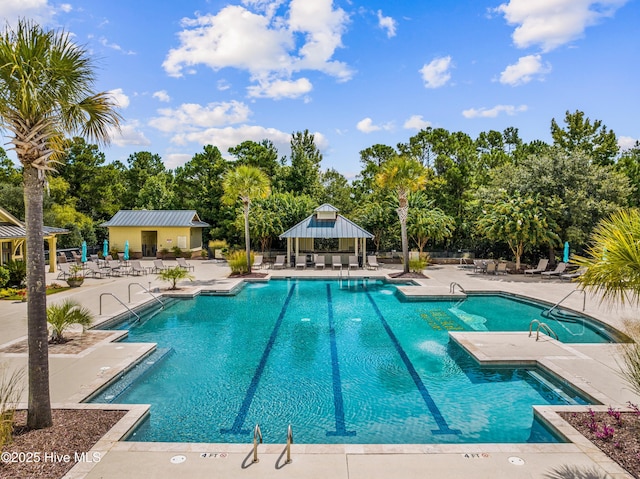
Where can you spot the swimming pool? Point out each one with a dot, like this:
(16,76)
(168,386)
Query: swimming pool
(342,365)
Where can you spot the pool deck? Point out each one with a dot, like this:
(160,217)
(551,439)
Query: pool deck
(590,367)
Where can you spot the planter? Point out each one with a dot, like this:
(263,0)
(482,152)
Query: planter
(75,282)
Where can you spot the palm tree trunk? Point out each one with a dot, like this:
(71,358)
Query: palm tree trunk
(403,212)
(247,236)
(39,413)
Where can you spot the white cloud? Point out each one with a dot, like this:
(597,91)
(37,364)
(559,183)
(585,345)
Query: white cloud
(493,112)
(264,44)
(280,89)
(436,73)
(626,142)
(162,95)
(37,10)
(114,46)
(173,160)
(194,117)
(66,7)
(129,134)
(223,85)
(524,71)
(119,98)
(552,23)
(388,24)
(415,122)
(366,126)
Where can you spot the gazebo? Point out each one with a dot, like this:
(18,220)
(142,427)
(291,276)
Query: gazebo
(325,223)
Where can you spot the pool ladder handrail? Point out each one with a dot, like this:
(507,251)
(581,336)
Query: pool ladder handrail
(289,442)
(542,326)
(452,287)
(118,300)
(584,300)
(152,295)
(257,435)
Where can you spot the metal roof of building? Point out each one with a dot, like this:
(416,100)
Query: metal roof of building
(150,218)
(326,207)
(312,227)
(8,231)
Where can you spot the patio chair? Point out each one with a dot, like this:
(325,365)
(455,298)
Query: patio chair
(491,267)
(479,266)
(93,257)
(560,269)
(64,270)
(353,262)
(76,257)
(92,269)
(257,262)
(113,266)
(279,262)
(372,262)
(158,266)
(542,266)
(576,274)
(501,268)
(62,258)
(137,269)
(336,262)
(301,261)
(318,261)
(182,263)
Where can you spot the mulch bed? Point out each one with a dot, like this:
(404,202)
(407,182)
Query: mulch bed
(248,275)
(409,275)
(623,445)
(43,453)
(76,343)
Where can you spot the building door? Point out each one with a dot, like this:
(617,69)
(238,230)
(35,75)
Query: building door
(149,243)
(6,252)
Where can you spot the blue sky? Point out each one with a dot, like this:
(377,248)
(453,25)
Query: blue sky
(191,73)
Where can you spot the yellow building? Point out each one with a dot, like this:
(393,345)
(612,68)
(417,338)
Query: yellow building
(150,231)
(13,237)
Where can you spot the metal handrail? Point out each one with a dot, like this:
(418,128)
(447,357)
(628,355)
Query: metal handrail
(533,321)
(118,300)
(452,287)
(154,297)
(584,300)
(289,442)
(257,434)
(545,326)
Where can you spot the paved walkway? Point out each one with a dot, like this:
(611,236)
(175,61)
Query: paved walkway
(593,368)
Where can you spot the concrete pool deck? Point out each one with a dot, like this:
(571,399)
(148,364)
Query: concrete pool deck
(591,367)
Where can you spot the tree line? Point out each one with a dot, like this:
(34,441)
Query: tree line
(476,190)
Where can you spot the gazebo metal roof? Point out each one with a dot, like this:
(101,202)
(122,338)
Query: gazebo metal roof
(312,227)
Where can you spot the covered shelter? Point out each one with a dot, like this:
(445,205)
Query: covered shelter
(13,238)
(326,224)
(151,231)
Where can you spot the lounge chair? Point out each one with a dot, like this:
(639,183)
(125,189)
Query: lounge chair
(65,270)
(114,267)
(301,261)
(318,261)
(542,266)
(137,268)
(336,262)
(93,257)
(353,262)
(576,274)
(491,267)
(182,263)
(560,269)
(501,268)
(158,266)
(76,257)
(479,266)
(372,262)
(62,258)
(257,262)
(279,262)
(92,269)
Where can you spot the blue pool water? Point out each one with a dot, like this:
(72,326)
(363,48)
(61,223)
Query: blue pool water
(353,365)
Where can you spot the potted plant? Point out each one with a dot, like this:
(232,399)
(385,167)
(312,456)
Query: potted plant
(76,279)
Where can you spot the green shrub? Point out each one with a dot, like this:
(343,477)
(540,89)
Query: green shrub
(11,387)
(173,275)
(187,254)
(177,251)
(218,244)
(416,265)
(61,316)
(17,273)
(4,277)
(238,261)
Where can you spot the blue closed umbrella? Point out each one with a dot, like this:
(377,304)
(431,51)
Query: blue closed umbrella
(84,252)
(566,252)
(105,248)
(126,250)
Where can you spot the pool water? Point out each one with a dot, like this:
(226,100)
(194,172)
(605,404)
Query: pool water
(340,365)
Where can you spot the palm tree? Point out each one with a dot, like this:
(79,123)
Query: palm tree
(61,316)
(45,92)
(403,175)
(245,183)
(173,275)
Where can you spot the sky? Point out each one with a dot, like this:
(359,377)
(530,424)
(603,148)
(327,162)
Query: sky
(195,72)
